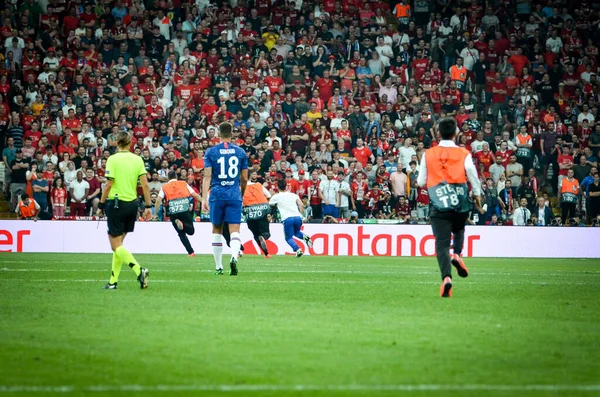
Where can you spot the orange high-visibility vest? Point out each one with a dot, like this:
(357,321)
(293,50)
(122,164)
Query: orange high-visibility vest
(402,11)
(256,204)
(175,189)
(523,139)
(458,74)
(569,190)
(570,186)
(27,211)
(177,196)
(254,195)
(447,178)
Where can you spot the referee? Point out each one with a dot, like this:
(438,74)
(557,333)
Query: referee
(123,169)
(444,170)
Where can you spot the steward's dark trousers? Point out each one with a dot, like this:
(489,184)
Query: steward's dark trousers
(187,220)
(444,225)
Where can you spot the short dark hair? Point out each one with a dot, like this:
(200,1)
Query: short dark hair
(24,196)
(225,130)
(447,128)
(172,175)
(282,185)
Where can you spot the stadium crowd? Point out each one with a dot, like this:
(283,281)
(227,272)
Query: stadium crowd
(338,97)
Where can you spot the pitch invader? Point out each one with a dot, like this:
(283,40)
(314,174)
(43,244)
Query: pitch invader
(290,208)
(226,177)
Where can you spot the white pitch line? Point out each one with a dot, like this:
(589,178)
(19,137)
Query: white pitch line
(332,271)
(294,388)
(254,281)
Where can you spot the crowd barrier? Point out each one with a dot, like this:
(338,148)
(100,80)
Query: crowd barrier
(338,240)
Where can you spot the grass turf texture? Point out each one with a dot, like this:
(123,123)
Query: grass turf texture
(345,322)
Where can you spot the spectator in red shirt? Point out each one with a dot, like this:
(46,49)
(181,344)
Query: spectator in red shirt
(485,157)
(361,153)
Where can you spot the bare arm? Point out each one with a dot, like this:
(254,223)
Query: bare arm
(146,190)
(157,205)
(244,180)
(206,187)
(300,205)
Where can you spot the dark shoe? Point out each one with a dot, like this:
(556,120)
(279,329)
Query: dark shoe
(143,278)
(233,267)
(459,264)
(446,288)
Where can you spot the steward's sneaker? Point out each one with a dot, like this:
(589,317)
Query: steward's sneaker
(143,278)
(192,255)
(446,288)
(299,253)
(219,272)
(268,256)
(179,224)
(110,286)
(459,264)
(308,241)
(233,267)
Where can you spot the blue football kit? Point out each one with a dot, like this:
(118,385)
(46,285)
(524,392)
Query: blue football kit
(227,162)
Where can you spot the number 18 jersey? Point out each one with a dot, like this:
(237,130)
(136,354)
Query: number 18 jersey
(227,162)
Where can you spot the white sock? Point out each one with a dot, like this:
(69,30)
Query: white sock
(235,244)
(217,249)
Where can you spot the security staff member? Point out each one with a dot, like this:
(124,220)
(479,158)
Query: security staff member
(256,209)
(177,195)
(444,170)
(568,195)
(27,208)
(123,169)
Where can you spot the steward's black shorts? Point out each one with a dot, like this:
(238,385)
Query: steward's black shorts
(260,227)
(122,219)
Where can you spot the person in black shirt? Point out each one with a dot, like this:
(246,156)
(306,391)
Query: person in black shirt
(594,197)
(248,147)
(19,167)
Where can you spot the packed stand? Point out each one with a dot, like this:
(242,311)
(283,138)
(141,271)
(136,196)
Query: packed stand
(340,98)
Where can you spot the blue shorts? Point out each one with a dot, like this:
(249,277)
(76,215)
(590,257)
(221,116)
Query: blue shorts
(291,227)
(330,210)
(229,211)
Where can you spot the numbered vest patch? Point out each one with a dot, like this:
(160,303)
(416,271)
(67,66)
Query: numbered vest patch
(256,211)
(568,198)
(446,197)
(524,152)
(179,205)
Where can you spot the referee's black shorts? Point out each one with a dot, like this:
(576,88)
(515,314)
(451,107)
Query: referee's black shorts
(260,227)
(122,219)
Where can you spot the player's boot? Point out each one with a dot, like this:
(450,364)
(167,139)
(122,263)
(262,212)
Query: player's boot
(233,267)
(308,241)
(299,253)
(459,264)
(143,278)
(192,255)
(240,254)
(110,286)
(179,224)
(446,288)
(268,256)
(219,272)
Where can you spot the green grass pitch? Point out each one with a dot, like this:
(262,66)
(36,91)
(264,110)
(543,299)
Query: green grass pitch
(314,326)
